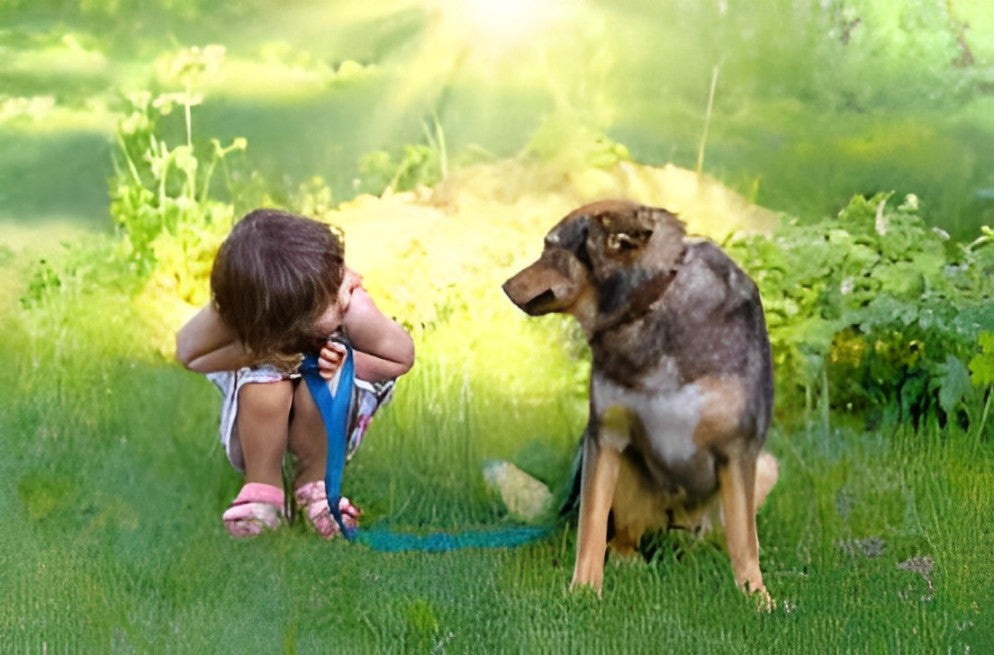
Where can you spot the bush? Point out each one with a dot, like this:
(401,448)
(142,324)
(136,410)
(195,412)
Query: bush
(872,312)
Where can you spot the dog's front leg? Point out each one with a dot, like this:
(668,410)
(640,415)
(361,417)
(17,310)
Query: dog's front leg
(737,479)
(599,477)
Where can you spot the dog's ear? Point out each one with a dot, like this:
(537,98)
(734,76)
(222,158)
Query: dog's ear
(622,235)
(621,242)
(571,235)
(635,252)
(666,245)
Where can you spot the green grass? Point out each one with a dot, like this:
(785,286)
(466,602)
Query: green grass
(115,483)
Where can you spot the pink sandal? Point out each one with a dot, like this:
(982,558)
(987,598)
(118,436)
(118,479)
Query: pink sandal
(313,504)
(258,507)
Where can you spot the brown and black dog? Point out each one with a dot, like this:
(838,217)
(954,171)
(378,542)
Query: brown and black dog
(681,388)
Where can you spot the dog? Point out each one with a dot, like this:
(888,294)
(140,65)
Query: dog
(681,386)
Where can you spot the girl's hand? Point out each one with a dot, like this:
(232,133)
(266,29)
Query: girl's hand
(330,359)
(334,314)
(382,348)
(351,280)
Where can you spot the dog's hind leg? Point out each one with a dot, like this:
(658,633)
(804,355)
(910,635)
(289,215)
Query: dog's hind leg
(635,507)
(737,482)
(767,473)
(601,463)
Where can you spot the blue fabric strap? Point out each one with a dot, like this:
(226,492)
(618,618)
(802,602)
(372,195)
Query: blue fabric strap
(334,409)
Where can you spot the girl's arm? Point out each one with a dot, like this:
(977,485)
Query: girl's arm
(383,349)
(205,344)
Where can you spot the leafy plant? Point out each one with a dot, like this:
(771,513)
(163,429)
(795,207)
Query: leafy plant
(160,189)
(44,281)
(982,373)
(570,144)
(872,311)
(169,224)
(420,164)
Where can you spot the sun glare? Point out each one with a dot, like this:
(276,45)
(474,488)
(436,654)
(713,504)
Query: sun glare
(496,25)
(486,43)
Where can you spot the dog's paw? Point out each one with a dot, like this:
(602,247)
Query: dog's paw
(582,584)
(761,599)
(584,591)
(625,557)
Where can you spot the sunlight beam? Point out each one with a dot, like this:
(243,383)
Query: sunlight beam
(497,25)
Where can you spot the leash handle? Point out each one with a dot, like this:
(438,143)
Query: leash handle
(334,410)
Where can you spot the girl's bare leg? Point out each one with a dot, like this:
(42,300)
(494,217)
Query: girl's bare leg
(309,446)
(263,419)
(308,440)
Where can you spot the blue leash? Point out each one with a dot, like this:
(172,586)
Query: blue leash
(334,410)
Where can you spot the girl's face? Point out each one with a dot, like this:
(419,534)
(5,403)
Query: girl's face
(332,317)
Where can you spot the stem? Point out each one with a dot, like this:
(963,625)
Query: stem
(983,415)
(227,178)
(188,115)
(159,148)
(436,141)
(206,183)
(443,155)
(191,180)
(824,399)
(707,120)
(127,157)
(392,186)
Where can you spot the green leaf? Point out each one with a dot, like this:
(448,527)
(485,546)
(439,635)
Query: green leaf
(954,383)
(982,364)
(901,280)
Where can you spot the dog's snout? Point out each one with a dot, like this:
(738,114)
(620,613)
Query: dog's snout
(543,303)
(521,290)
(539,289)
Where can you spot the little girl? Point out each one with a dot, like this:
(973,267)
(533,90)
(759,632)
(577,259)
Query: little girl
(280,288)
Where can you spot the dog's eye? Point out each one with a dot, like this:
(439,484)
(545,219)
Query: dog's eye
(621,241)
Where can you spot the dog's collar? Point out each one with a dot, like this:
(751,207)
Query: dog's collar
(644,297)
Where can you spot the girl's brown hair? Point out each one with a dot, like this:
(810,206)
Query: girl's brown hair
(273,276)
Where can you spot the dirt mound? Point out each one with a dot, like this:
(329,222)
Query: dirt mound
(422,251)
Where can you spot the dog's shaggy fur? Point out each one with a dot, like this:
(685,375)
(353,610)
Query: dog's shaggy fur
(681,389)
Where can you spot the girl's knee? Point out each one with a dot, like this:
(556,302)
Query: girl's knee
(304,405)
(266,398)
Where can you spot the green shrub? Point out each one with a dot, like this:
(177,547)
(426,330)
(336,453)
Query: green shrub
(872,312)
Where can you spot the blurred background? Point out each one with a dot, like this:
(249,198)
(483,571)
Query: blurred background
(796,104)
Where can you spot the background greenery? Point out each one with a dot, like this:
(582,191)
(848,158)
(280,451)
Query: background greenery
(445,139)
(814,101)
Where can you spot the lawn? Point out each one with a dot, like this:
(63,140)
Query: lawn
(871,542)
